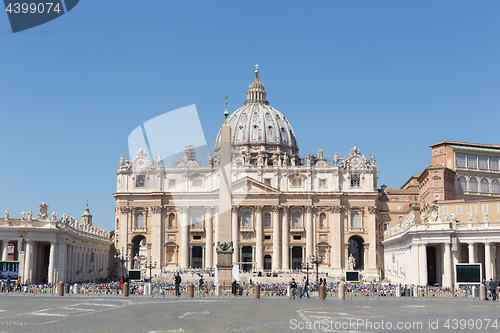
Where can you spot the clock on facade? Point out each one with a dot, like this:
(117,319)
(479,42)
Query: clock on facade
(355,162)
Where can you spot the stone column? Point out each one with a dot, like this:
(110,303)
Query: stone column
(5,250)
(447,280)
(209,234)
(52,258)
(216,233)
(336,237)
(259,238)
(413,264)
(487,262)
(61,263)
(422,263)
(276,238)
(235,234)
(472,258)
(369,222)
(157,237)
(185,237)
(28,261)
(286,233)
(309,232)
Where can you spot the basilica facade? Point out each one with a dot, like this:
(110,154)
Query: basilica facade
(285,208)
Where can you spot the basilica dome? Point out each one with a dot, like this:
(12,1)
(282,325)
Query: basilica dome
(258,126)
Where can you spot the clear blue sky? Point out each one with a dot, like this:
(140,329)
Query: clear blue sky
(391,77)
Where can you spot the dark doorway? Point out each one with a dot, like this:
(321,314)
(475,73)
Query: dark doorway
(356,249)
(246,256)
(431,266)
(197,257)
(267,263)
(296,258)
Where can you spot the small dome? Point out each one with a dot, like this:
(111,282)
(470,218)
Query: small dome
(257,122)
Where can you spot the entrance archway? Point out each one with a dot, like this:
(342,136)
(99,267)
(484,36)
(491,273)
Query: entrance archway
(356,249)
(139,251)
(197,257)
(267,263)
(246,256)
(297,258)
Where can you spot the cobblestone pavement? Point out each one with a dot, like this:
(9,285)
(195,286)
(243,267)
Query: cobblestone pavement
(47,313)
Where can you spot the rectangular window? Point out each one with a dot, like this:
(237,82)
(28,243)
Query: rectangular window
(267,221)
(459,210)
(355,181)
(140,180)
(385,226)
(267,237)
(473,209)
(483,162)
(196,237)
(485,209)
(460,160)
(297,182)
(171,183)
(401,217)
(400,207)
(297,237)
(267,181)
(436,196)
(198,182)
(472,161)
(493,163)
(445,210)
(322,183)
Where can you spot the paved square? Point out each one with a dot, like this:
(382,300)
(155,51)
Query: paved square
(46,313)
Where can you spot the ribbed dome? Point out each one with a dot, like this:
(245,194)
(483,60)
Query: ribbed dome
(257,123)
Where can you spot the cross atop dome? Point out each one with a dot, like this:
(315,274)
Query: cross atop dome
(256,92)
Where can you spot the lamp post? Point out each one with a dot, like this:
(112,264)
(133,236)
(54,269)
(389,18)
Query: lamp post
(316,260)
(122,258)
(150,266)
(307,266)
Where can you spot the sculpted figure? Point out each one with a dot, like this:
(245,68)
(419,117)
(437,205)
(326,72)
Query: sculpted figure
(372,159)
(54,216)
(136,262)
(159,160)
(336,159)
(260,160)
(485,217)
(285,160)
(7,215)
(308,159)
(210,160)
(30,215)
(469,216)
(122,162)
(23,215)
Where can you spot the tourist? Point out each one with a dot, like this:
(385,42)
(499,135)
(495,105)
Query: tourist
(234,287)
(493,289)
(293,288)
(200,283)
(305,287)
(178,281)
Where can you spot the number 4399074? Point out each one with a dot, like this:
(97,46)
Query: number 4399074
(32,8)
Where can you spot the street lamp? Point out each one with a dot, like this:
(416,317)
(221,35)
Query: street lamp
(150,266)
(307,266)
(316,260)
(122,258)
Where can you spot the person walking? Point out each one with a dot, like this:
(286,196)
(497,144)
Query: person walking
(493,289)
(178,281)
(293,288)
(200,283)
(305,287)
(234,287)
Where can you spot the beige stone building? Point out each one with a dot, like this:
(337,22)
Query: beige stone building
(285,207)
(458,217)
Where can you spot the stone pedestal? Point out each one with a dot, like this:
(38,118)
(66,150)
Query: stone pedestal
(190,290)
(256,290)
(225,269)
(148,289)
(322,293)
(341,290)
(75,289)
(482,292)
(60,289)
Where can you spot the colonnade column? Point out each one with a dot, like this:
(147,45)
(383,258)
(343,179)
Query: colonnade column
(336,237)
(185,237)
(28,262)
(309,233)
(422,263)
(5,250)
(447,265)
(235,234)
(487,262)
(157,237)
(209,234)
(276,238)
(472,258)
(52,258)
(285,236)
(259,238)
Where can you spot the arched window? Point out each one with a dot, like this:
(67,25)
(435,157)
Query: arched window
(296,220)
(356,220)
(247,219)
(322,220)
(171,220)
(197,220)
(267,220)
(473,184)
(462,183)
(495,186)
(139,222)
(485,185)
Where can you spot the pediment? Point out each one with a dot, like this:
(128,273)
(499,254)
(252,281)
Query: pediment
(249,185)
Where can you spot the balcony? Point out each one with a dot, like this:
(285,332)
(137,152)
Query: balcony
(246,229)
